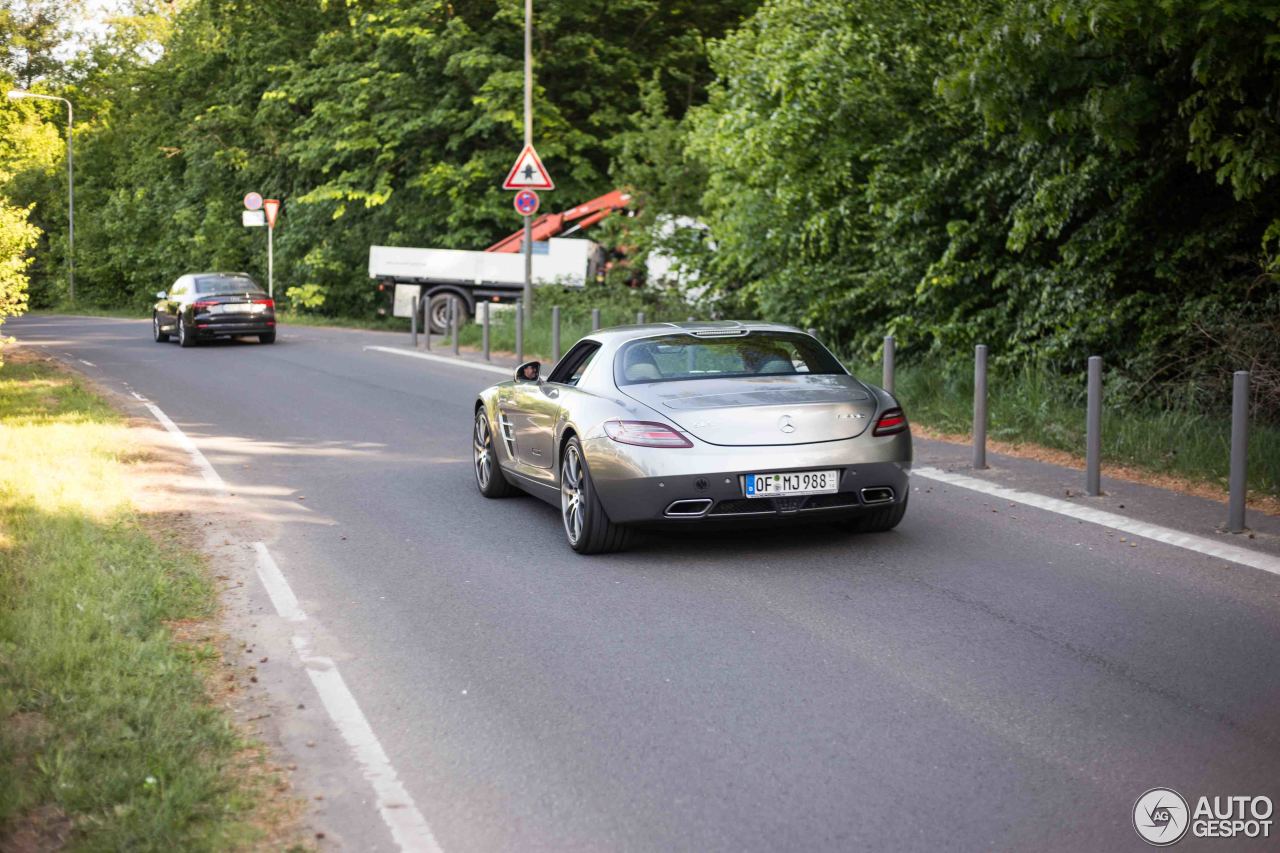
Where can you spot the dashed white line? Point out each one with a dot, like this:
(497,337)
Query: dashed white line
(1169,536)
(90,363)
(409,829)
(441,359)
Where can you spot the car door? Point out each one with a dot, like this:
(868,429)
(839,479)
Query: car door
(535,407)
(170,306)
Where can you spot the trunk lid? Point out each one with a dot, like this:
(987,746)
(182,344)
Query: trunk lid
(762,410)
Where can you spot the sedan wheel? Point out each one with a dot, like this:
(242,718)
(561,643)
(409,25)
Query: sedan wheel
(586,524)
(159,336)
(485,461)
(184,338)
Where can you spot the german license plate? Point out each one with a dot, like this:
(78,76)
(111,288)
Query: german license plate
(783,483)
(237,308)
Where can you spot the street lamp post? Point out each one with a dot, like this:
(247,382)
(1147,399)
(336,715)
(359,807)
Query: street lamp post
(19,94)
(528,141)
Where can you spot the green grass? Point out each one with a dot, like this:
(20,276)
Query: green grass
(105,724)
(1032,406)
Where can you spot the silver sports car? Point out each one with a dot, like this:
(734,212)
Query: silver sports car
(680,423)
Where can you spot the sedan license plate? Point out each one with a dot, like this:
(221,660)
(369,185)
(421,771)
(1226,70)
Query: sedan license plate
(237,308)
(785,483)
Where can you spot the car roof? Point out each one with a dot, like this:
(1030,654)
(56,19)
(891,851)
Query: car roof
(616,335)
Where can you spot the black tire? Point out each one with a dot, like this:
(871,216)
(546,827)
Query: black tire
(438,312)
(267,338)
(185,339)
(882,518)
(586,524)
(157,335)
(490,480)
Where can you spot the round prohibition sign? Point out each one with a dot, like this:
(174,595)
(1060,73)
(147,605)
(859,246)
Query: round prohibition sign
(526,202)
(252,201)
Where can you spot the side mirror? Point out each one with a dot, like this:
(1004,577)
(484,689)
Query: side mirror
(530,371)
(162,295)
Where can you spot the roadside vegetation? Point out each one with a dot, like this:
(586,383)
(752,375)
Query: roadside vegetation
(108,738)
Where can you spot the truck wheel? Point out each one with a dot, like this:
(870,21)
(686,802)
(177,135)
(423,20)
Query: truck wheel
(438,312)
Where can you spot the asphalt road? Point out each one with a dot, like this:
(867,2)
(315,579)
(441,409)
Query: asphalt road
(972,680)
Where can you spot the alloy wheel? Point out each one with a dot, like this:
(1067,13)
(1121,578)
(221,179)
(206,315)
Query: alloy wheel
(572,506)
(482,451)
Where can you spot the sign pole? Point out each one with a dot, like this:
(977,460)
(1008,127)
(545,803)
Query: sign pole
(271,287)
(528,141)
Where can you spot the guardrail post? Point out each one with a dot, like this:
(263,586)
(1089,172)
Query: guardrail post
(1093,430)
(886,381)
(595,319)
(484,319)
(1239,478)
(426,322)
(980,406)
(455,321)
(519,332)
(555,333)
(413,322)
(639,318)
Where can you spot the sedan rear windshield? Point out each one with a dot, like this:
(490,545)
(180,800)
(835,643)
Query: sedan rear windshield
(226,284)
(674,357)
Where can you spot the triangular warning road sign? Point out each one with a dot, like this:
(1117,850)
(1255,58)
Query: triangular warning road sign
(528,173)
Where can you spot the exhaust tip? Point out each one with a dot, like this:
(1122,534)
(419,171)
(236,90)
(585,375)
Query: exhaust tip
(691,508)
(877,495)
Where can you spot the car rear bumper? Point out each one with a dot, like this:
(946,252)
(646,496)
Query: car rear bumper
(233,328)
(683,494)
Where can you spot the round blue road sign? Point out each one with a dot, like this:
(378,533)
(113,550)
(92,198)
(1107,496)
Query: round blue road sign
(526,202)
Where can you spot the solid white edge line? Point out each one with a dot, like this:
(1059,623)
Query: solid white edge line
(278,588)
(442,359)
(206,470)
(408,827)
(1169,536)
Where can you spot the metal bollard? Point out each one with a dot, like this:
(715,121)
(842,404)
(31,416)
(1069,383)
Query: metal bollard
(886,380)
(555,333)
(413,322)
(519,332)
(455,321)
(639,318)
(484,318)
(595,319)
(1239,477)
(980,406)
(1093,430)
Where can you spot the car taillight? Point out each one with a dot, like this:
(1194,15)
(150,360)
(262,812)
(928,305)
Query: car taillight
(270,302)
(891,422)
(204,303)
(645,434)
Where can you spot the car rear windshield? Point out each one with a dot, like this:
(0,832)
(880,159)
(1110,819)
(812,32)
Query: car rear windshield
(226,284)
(674,357)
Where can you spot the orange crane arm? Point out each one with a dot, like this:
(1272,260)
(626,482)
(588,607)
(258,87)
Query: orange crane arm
(574,219)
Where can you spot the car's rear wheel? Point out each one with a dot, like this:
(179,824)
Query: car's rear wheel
(185,338)
(159,336)
(586,524)
(882,518)
(267,338)
(489,478)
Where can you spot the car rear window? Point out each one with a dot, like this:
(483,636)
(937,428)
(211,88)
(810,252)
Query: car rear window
(675,357)
(226,284)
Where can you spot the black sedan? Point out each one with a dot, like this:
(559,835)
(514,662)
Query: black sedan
(206,305)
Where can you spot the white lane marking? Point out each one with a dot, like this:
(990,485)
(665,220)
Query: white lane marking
(90,363)
(180,438)
(1208,547)
(457,362)
(277,587)
(409,829)
(407,825)
(138,396)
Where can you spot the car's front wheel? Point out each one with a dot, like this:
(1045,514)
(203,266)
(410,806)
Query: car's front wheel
(185,338)
(586,524)
(489,477)
(157,335)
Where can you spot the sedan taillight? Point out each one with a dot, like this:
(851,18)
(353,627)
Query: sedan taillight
(645,434)
(268,302)
(891,422)
(204,303)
